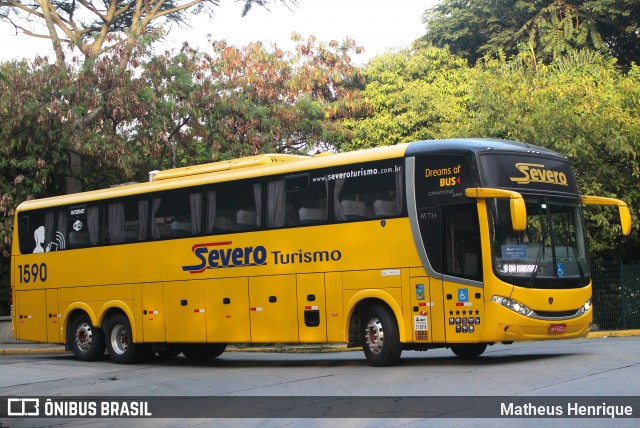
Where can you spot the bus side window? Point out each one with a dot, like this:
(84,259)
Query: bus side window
(461,238)
(369,191)
(82,222)
(296,200)
(38,231)
(233,207)
(176,214)
(125,220)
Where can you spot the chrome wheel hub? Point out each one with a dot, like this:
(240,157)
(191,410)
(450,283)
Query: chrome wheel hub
(84,337)
(374,335)
(119,339)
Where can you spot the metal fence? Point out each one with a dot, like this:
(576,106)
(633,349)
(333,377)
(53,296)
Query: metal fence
(616,295)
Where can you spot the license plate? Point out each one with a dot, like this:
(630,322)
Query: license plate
(557,328)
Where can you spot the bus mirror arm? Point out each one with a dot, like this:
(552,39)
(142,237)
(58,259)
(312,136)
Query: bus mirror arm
(516,203)
(625,215)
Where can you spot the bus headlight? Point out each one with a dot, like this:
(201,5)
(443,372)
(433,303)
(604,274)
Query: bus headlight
(584,308)
(514,305)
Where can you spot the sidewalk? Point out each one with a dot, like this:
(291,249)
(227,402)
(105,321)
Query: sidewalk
(26,348)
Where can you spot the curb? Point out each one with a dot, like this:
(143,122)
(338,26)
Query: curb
(33,351)
(309,349)
(613,333)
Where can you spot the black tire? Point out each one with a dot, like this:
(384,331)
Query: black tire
(169,350)
(202,351)
(469,350)
(381,341)
(85,340)
(119,341)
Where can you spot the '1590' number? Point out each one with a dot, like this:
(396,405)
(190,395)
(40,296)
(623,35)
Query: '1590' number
(32,273)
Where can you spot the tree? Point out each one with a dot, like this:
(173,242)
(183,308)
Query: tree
(87,25)
(95,28)
(410,96)
(473,28)
(234,102)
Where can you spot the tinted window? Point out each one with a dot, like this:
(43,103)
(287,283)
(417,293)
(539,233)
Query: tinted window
(82,223)
(126,220)
(461,252)
(176,214)
(232,207)
(58,229)
(367,191)
(296,200)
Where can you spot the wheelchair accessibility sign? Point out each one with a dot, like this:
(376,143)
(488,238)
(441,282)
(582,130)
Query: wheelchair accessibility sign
(463,297)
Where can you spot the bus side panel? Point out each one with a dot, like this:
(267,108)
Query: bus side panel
(273,305)
(228,310)
(438,315)
(335,309)
(153,312)
(31,311)
(185,311)
(312,308)
(464,312)
(54,317)
(382,278)
(422,306)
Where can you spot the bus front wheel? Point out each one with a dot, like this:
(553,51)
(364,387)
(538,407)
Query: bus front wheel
(381,343)
(85,340)
(120,345)
(469,350)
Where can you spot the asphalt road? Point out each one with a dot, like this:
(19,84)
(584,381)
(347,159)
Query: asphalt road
(587,367)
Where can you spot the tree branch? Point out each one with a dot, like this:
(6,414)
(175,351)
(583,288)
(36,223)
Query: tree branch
(24,8)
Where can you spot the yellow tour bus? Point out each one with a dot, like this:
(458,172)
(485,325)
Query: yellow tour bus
(457,243)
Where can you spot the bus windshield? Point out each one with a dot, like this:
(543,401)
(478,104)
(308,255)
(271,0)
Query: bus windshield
(550,253)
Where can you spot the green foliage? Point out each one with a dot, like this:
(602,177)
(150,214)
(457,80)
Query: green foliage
(31,135)
(411,96)
(474,28)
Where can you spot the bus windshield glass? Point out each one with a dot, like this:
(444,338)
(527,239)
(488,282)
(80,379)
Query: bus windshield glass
(550,253)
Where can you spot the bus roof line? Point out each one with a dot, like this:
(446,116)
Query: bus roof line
(195,175)
(246,162)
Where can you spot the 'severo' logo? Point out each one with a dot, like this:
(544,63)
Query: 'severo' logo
(537,173)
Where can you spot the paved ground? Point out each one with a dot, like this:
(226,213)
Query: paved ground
(24,348)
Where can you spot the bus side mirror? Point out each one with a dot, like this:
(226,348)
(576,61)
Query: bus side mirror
(518,214)
(516,203)
(623,209)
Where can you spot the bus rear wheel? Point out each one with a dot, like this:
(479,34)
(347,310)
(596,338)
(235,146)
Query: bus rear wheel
(469,350)
(120,345)
(85,340)
(201,351)
(381,343)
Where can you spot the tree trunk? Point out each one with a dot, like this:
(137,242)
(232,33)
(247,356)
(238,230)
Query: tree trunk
(72,183)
